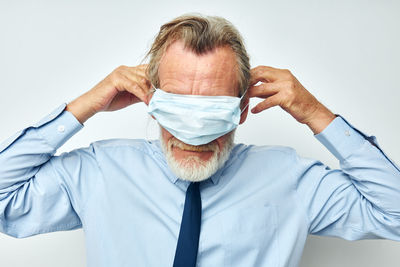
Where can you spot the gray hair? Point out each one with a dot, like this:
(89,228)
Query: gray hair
(201,34)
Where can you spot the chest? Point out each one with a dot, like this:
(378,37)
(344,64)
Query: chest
(241,220)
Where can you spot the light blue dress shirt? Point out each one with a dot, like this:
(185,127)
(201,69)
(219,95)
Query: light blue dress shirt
(257,209)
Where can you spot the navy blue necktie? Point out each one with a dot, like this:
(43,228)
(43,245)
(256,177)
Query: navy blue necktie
(188,241)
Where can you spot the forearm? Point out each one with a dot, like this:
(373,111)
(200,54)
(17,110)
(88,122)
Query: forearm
(374,175)
(359,200)
(23,153)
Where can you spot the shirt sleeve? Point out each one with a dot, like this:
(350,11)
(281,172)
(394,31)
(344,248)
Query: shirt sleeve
(361,200)
(40,192)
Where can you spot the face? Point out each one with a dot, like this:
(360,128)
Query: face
(183,72)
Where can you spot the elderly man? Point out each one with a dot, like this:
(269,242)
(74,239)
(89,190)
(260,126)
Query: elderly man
(195,198)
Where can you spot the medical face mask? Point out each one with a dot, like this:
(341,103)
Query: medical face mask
(195,119)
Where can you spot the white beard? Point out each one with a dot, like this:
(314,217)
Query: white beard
(193,168)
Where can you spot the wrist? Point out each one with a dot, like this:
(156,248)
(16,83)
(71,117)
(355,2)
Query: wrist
(321,118)
(80,109)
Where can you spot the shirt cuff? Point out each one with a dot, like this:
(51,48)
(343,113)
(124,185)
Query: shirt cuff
(341,138)
(59,126)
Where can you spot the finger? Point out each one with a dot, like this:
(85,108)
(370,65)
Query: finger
(142,69)
(264,90)
(142,66)
(141,79)
(266,104)
(133,88)
(263,74)
(139,75)
(136,86)
(143,73)
(139,70)
(123,99)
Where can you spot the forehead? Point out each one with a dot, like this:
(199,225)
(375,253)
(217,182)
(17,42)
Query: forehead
(182,71)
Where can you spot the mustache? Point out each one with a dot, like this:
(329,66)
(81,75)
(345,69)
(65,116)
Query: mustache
(210,147)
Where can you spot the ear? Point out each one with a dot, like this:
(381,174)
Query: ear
(243,116)
(149,97)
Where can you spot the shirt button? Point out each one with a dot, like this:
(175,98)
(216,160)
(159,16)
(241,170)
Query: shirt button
(61,128)
(347,133)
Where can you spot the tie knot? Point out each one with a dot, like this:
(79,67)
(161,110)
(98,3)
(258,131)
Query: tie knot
(195,184)
(193,188)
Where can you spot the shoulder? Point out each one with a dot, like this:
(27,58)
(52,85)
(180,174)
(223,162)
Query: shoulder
(97,150)
(266,151)
(266,156)
(117,144)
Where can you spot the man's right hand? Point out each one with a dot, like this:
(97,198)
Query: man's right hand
(122,87)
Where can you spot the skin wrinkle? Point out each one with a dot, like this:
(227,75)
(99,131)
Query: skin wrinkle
(196,81)
(212,70)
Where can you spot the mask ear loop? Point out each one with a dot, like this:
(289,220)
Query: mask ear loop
(152,89)
(241,101)
(244,108)
(150,120)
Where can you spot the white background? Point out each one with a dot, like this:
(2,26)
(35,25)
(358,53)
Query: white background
(344,52)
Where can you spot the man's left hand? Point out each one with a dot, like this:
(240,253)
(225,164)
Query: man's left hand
(280,88)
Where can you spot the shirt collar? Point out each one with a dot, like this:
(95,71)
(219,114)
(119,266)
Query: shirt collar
(157,152)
